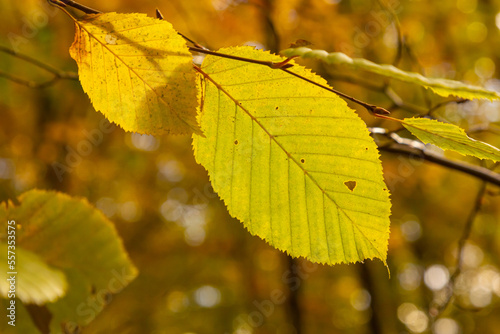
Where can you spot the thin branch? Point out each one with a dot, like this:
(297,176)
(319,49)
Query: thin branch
(223,55)
(29,59)
(373,109)
(295,314)
(76,5)
(284,65)
(272,36)
(397,24)
(417,149)
(159,16)
(437,310)
(39,85)
(57,74)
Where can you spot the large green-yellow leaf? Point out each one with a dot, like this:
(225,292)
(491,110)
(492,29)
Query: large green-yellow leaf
(450,137)
(39,282)
(137,71)
(292,161)
(70,236)
(443,87)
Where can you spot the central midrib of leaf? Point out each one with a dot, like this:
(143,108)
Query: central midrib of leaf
(132,70)
(290,156)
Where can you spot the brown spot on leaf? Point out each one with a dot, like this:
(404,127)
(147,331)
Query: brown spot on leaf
(236,142)
(303,160)
(350,185)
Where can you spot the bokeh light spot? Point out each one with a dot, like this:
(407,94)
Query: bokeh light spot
(6,169)
(497,20)
(446,326)
(221,5)
(172,171)
(472,255)
(361,299)
(177,301)
(129,211)
(411,230)
(477,32)
(144,142)
(416,320)
(484,67)
(436,277)
(107,206)
(480,296)
(207,296)
(410,277)
(194,235)
(467,6)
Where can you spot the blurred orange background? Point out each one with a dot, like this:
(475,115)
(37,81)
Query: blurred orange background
(200,270)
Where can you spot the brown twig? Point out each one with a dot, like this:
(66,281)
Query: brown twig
(415,148)
(373,109)
(159,16)
(74,4)
(57,74)
(395,19)
(436,310)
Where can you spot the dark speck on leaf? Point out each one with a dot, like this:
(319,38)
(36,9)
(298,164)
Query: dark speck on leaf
(350,185)
(303,160)
(236,142)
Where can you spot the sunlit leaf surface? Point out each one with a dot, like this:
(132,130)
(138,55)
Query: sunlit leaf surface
(137,71)
(292,161)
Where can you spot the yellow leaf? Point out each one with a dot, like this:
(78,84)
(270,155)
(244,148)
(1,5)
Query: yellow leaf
(138,72)
(292,161)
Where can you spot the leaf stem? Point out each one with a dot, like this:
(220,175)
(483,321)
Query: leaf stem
(373,109)
(283,65)
(223,55)
(159,16)
(76,5)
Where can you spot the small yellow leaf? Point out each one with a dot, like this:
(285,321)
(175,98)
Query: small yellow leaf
(138,72)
